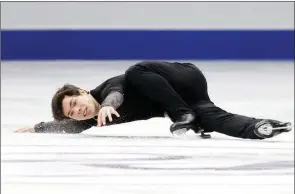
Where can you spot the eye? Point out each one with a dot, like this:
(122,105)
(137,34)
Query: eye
(74,103)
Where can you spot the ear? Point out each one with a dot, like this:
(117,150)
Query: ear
(83,92)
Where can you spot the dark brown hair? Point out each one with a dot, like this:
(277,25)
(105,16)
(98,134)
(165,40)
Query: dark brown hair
(56,103)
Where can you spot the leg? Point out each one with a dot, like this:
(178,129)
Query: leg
(176,86)
(212,118)
(158,89)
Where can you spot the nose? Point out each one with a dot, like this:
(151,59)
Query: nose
(78,110)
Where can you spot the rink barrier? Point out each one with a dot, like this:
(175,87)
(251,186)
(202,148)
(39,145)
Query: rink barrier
(147,44)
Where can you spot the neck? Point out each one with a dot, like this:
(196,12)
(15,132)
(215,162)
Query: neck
(96,104)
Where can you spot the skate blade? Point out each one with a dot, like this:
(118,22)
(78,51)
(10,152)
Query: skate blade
(286,128)
(205,136)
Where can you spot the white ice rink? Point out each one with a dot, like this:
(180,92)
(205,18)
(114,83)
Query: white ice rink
(142,157)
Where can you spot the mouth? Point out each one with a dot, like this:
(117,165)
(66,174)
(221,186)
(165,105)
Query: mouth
(85,112)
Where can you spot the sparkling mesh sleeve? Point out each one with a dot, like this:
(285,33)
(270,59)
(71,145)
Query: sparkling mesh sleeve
(65,126)
(114,99)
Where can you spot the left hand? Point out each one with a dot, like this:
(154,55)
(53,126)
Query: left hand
(104,112)
(25,130)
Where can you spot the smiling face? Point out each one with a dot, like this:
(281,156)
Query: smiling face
(79,107)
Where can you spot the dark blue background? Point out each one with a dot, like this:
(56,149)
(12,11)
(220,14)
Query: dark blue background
(147,44)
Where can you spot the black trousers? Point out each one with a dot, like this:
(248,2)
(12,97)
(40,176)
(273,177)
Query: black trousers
(182,88)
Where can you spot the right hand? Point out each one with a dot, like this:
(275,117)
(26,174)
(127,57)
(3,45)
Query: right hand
(25,130)
(104,112)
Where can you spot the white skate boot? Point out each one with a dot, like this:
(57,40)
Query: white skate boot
(269,128)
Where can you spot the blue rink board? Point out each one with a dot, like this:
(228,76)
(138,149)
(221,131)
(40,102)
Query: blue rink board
(147,44)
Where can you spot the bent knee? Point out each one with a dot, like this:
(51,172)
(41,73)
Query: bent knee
(134,71)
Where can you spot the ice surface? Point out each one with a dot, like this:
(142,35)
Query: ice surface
(142,157)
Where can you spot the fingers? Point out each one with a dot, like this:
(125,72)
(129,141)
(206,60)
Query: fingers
(109,115)
(18,130)
(104,113)
(99,119)
(24,130)
(99,123)
(115,113)
(103,117)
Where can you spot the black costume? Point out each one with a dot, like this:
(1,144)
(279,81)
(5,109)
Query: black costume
(151,88)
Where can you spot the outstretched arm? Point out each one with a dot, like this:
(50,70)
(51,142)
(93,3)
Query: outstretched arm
(65,126)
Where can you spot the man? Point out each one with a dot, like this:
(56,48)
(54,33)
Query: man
(151,89)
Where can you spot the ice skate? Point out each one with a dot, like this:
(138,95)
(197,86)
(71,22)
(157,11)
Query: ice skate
(182,125)
(269,128)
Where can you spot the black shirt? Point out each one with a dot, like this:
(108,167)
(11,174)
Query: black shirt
(135,106)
